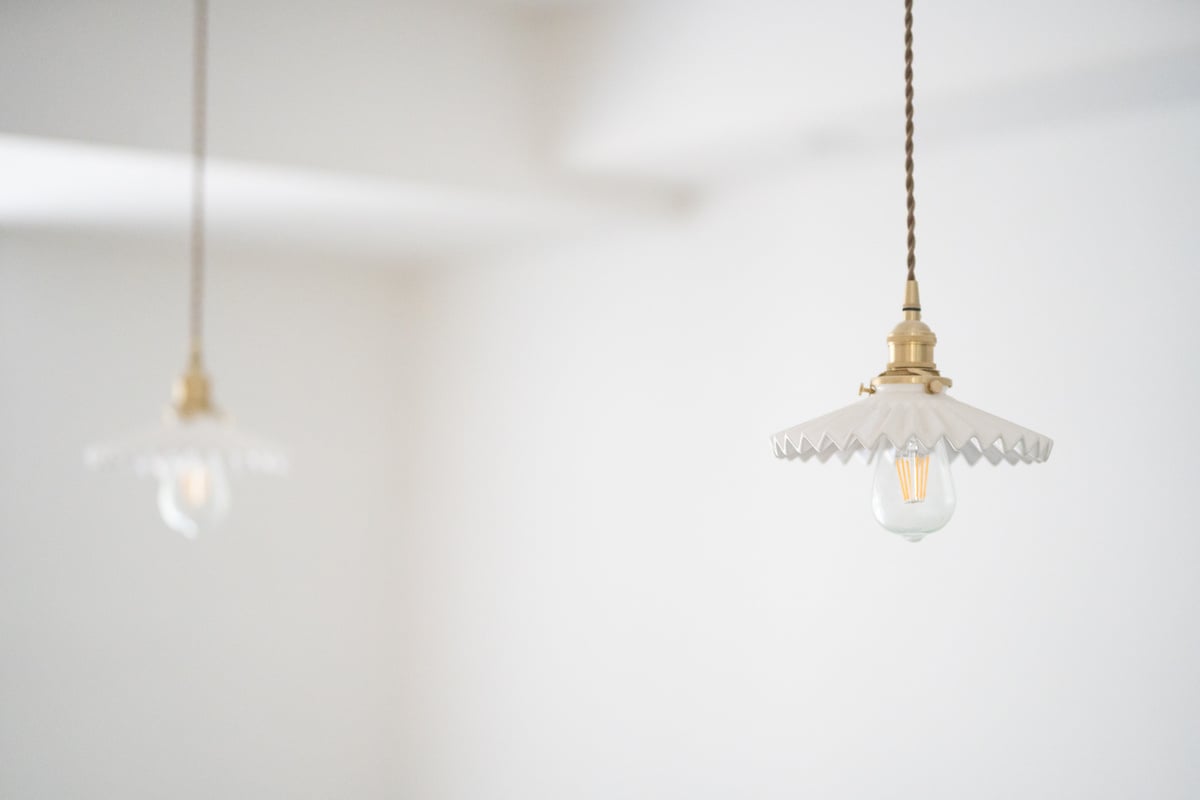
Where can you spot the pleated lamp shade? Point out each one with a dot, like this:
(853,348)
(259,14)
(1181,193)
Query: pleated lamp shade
(897,413)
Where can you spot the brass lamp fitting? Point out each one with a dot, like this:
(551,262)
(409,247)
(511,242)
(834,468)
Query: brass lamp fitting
(910,349)
(192,392)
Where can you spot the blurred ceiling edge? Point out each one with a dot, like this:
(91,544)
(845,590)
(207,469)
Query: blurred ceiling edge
(128,192)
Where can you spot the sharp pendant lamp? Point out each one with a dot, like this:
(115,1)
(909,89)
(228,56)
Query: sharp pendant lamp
(196,449)
(907,425)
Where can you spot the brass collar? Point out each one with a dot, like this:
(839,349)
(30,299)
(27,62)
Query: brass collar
(910,349)
(192,392)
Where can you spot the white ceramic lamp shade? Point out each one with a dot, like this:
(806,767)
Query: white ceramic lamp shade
(897,413)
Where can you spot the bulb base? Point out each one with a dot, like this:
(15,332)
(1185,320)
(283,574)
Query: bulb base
(910,349)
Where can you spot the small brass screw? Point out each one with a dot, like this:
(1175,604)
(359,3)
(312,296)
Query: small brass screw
(864,389)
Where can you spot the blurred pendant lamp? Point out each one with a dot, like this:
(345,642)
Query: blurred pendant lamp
(196,449)
(907,424)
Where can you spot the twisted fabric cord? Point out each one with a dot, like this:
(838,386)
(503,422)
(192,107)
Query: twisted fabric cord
(199,123)
(908,140)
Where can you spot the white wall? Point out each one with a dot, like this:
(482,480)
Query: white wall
(253,662)
(644,603)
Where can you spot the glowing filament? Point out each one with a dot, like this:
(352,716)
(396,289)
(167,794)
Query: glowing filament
(913,473)
(194,485)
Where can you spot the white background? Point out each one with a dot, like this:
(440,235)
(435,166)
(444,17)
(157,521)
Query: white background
(535,544)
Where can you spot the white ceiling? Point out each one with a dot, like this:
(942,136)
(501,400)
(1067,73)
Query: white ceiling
(683,91)
(412,128)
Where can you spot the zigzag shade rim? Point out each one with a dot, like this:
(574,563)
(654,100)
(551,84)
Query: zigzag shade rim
(147,450)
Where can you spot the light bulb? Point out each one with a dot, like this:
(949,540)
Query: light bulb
(193,493)
(913,493)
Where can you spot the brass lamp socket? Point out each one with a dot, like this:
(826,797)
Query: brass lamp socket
(192,392)
(910,349)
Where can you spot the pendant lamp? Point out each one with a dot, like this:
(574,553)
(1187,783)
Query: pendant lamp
(196,450)
(907,425)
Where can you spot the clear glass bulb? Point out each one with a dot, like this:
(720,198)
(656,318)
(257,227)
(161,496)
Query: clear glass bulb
(913,493)
(193,493)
